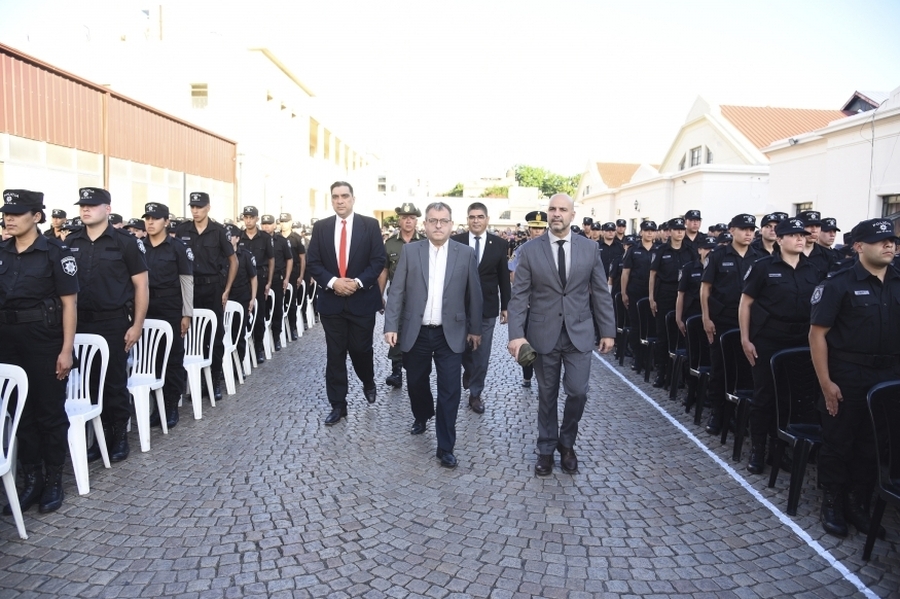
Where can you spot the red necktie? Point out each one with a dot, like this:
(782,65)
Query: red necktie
(342,251)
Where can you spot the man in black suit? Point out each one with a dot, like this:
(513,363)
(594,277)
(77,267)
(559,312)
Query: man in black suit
(345,257)
(493,272)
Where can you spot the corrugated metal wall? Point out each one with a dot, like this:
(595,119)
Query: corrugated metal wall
(42,103)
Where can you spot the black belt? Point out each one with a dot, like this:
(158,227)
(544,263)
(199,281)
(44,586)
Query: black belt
(871,360)
(432,326)
(783,326)
(204,280)
(21,316)
(157,293)
(94,316)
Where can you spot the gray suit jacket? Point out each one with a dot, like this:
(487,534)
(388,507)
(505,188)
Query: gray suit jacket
(462,303)
(539,300)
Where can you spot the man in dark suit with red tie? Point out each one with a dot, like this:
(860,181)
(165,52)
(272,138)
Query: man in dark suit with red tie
(345,257)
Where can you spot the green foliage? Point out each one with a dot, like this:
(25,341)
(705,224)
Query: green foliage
(549,183)
(456,192)
(498,191)
(390,221)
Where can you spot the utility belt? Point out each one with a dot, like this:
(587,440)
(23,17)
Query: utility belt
(761,320)
(50,312)
(158,293)
(97,315)
(207,280)
(790,328)
(870,360)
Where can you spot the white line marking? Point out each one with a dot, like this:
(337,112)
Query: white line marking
(823,553)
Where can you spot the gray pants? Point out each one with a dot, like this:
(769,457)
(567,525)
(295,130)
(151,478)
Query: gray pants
(575,383)
(475,362)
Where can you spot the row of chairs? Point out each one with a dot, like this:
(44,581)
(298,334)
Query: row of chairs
(148,362)
(797,393)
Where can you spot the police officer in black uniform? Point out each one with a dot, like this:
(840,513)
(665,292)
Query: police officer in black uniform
(636,285)
(665,270)
(693,237)
(284,264)
(38,288)
(824,258)
(298,254)
(720,295)
(855,325)
(611,249)
(774,315)
(112,303)
(244,289)
(261,245)
(171,299)
(57,220)
(214,270)
(615,270)
(767,242)
(620,229)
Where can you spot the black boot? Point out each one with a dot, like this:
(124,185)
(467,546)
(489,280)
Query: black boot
(93,453)
(757,462)
(32,489)
(714,425)
(260,353)
(832,516)
(856,510)
(217,387)
(396,378)
(660,380)
(52,497)
(155,419)
(119,449)
(171,413)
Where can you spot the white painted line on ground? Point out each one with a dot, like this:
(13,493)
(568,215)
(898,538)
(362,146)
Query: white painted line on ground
(823,553)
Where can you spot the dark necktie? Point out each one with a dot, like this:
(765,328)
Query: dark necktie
(477,249)
(561,262)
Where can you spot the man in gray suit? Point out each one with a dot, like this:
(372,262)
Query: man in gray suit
(560,290)
(436,296)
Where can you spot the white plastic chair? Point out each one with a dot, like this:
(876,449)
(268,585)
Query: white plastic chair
(310,300)
(79,407)
(144,376)
(268,340)
(298,310)
(198,357)
(249,347)
(285,312)
(233,327)
(12,378)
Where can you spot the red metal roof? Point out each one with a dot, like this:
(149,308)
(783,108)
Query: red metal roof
(763,125)
(616,174)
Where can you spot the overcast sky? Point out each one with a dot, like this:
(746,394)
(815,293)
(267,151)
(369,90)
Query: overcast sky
(454,90)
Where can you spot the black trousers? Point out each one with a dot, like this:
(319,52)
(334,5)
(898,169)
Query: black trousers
(176,375)
(763,419)
(259,327)
(665,303)
(44,426)
(716,387)
(116,399)
(634,337)
(347,333)
(243,298)
(295,301)
(209,297)
(278,315)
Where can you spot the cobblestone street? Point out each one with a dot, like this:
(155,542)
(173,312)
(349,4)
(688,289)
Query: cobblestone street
(260,499)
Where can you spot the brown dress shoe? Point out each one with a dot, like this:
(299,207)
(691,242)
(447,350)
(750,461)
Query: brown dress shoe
(476,404)
(568,461)
(544,465)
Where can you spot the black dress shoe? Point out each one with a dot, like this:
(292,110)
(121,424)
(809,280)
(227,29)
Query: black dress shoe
(370,394)
(334,417)
(714,426)
(217,389)
(476,405)
(659,381)
(418,427)
(294,335)
(568,461)
(260,354)
(278,342)
(526,383)
(544,465)
(448,460)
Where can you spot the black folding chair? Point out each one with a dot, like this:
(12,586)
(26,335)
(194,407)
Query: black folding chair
(884,406)
(648,335)
(676,344)
(738,389)
(799,422)
(623,328)
(699,366)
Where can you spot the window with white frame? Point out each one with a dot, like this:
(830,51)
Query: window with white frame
(695,156)
(199,95)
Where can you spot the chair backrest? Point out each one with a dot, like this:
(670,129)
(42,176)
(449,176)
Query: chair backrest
(697,344)
(646,320)
(251,319)
(288,298)
(796,390)
(313,289)
(727,340)
(13,386)
(270,306)
(232,323)
(884,407)
(145,353)
(621,312)
(89,370)
(201,335)
(674,339)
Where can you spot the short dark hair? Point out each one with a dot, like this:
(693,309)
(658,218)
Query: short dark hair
(477,206)
(438,206)
(341,184)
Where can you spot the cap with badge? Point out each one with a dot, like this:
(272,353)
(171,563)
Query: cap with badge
(725,237)
(135,223)
(790,226)
(774,217)
(409,209)
(596,227)
(648,225)
(115,219)
(873,231)
(629,240)
(692,215)
(743,221)
(829,225)
(537,219)
(250,211)
(199,198)
(587,221)
(708,242)
(72,224)
(20,201)
(233,230)
(267,219)
(620,222)
(284,217)
(811,218)
(610,226)
(93,196)
(57,213)
(156,210)
(676,224)
(664,226)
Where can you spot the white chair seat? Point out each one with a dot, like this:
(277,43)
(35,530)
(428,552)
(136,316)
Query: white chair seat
(145,379)
(231,361)
(12,378)
(198,357)
(81,409)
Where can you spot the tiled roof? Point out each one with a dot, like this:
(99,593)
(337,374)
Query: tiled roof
(616,174)
(763,125)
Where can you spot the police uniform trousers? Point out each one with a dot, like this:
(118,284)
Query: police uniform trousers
(278,314)
(347,333)
(475,361)
(176,375)
(575,384)
(432,345)
(724,322)
(44,425)
(295,303)
(634,337)
(762,416)
(241,295)
(847,457)
(116,399)
(208,295)
(262,309)
(665,303)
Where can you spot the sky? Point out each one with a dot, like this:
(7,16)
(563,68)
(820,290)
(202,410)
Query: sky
(450,91)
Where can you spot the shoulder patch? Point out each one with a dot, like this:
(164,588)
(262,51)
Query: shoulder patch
(190,254)
(140,245)
(227,235)
(69,266)
(817,295)
(253,260)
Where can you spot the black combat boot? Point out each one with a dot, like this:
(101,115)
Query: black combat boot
(119,449)
(757,462)
(832,516)
(856,510)
(171,412)
(660,380)
(93,453)
(217,387)
(32,489)
(52,497)
(396,378)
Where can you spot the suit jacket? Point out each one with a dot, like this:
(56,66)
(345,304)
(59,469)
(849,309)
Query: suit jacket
(462,304)
(539,299)
(365,262)
(493,271)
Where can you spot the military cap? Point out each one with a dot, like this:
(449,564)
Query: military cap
(621,222)
(72,224)
(743,221)
(250,211)
(20,201)
(648,225)
(228,221)
(576,229)
(115,219)
(537,219)
(873,231)
(629,239)
(720,227)
(708,242)
(408,209)
(587,221)
(692,215)
(199,198)
(284,217)
(610,226)
(57,213)
(267,219)
(596,227)
(676,224)
(725,237)
(233,230)
(93,196)
(773,217)
(156,210)
(135,223)
(810,217)
(789,226)
(829,224)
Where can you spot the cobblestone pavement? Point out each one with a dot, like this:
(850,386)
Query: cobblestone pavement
(260,499)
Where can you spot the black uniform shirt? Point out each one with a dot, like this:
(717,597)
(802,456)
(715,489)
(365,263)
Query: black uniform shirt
(105,268)
(45,270)
(211,248)
(638,259)
(824,258)
(781,290)
(167,261)
(689,284)
(667,263)
(757,245)
(611,254)
(51,234)
(283,253)
(246,269)
(262,246)
(297,250)
(863,313)
(725,270)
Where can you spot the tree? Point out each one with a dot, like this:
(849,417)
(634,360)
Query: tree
(498,191)
(456,192)
(549,183)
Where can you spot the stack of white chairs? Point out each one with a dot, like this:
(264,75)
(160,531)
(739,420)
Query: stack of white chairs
(233,322)
(12,378)
(198,357)
(298,308)
(80,406)
(145,377)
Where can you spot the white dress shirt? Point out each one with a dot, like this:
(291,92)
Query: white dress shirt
(338,225)
(482,241)
(437,270)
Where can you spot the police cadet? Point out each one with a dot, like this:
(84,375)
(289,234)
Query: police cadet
(774,315)
(116,221)
(284,264)
(611,250)
(112,303)
(406,215)
(692,235)
(636,285)
(244,289)
(57,220)
(537,225)
(171,299)
(615,270)
(663,234)
(586,223)
(136,227)
(38,288)
(213,255)
(720,295)
(665,270)
(688,302)
(823,258)
(298,254)
(853,336)
(828,233)
(261,245)
(620,229)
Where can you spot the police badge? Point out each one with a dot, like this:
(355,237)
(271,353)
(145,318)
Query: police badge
(69,266)
(747,274)
(190,254)
(817,295)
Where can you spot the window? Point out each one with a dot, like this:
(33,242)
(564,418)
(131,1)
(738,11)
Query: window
(504,215)
(587,190)
(709,156)
(681,164)
(798,208)
(199,95)
(890,205)
(382,184)
(313,137)
(695,156)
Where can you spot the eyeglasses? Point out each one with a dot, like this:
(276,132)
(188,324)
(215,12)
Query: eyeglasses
(438,221)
